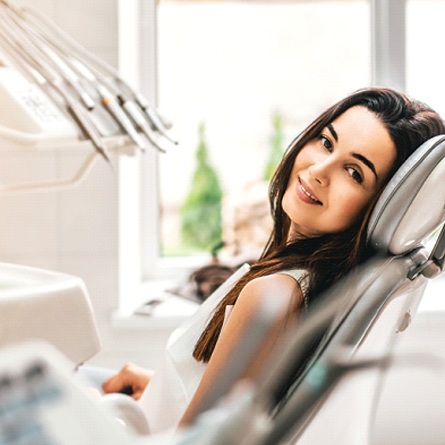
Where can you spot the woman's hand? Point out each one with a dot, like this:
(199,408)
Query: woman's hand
(130,379)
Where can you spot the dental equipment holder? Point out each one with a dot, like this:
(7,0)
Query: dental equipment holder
(54,93)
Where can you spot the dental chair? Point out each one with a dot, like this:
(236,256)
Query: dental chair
(358,322)
(376,305)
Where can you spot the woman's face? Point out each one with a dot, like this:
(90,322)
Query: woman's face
(336,175)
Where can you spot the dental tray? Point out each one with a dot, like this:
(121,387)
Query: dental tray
(46,305)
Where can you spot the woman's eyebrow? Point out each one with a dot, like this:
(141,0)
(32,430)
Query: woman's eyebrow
(333,132)
(367,162)
(357,156)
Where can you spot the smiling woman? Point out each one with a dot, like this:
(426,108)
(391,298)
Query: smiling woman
(321,196)
(336,175)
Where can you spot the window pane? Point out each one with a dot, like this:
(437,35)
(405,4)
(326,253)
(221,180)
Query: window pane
(424,37)
(250,75)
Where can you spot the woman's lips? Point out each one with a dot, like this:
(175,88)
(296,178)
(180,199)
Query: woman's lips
(306,194)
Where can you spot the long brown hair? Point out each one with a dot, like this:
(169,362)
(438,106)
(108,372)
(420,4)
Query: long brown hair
(328,257)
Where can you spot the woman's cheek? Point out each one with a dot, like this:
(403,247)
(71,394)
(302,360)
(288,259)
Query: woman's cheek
(352,206)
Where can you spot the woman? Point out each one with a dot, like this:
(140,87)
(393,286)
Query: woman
(321,197)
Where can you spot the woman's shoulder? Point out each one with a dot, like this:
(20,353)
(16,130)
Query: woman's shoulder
(274,285)
(291,277)
(301,276)
(285,278)
(298,274)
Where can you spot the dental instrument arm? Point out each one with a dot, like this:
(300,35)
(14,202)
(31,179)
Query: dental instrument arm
(45,76)
(65,43)
(127,104)
(73,73)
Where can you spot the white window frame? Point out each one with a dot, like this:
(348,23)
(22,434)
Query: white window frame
(140,264)
(137,175)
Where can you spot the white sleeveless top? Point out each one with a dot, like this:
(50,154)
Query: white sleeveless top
(175,382)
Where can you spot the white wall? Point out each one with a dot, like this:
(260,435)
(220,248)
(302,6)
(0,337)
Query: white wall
(76,231)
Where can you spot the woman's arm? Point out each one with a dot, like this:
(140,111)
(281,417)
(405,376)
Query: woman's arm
(278,286)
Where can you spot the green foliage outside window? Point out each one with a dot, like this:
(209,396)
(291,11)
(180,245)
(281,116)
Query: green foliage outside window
(276,147)
(201,220)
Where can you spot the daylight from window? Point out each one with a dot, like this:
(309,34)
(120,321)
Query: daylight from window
(424,36)
(240,80)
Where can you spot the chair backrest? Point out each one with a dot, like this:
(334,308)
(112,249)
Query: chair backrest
(365,314)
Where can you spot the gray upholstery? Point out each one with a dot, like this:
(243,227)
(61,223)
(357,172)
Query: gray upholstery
(412,205)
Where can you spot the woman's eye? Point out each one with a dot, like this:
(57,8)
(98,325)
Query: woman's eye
(326,142)
(355,175)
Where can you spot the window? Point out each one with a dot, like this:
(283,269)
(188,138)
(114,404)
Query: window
(424,39)
(252,75)
(236,66)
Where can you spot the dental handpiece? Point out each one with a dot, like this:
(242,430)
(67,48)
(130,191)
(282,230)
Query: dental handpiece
(113,107)
(44,77)
(72,78)
(131,109)
(153,117)
(157,123)
(135,113)
(36,43)
(78,114)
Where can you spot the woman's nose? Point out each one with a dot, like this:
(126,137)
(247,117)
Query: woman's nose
(320,172)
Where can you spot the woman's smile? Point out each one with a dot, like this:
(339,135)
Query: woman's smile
(305,193)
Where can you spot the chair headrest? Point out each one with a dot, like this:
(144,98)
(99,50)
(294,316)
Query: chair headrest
(412,205)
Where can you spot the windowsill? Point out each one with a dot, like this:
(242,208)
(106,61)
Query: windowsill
(138,322)
(153,303)
(155,308)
